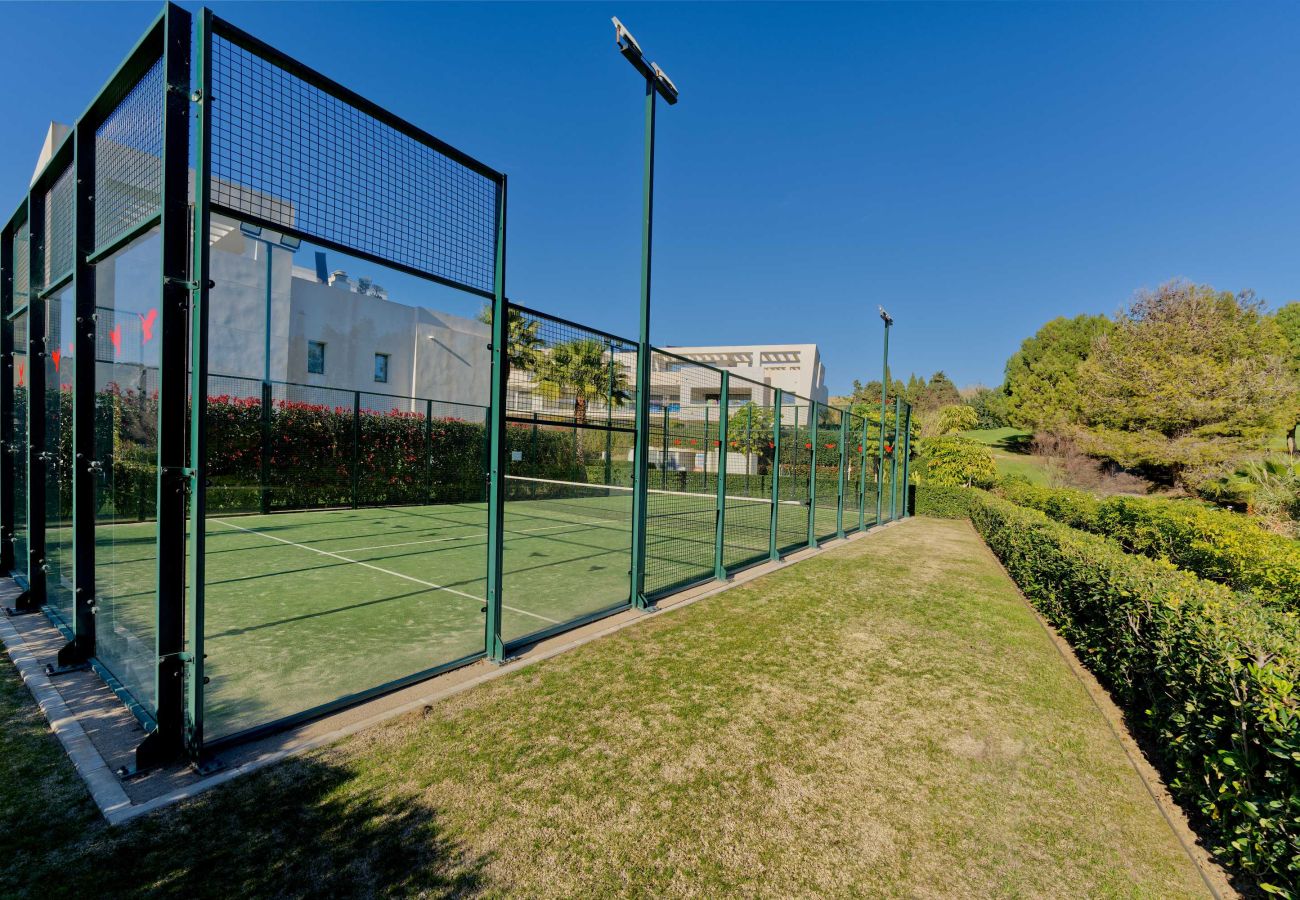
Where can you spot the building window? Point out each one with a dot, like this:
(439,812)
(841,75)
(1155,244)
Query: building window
(315,357)
(381,368)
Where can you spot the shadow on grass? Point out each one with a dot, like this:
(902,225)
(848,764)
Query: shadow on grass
(303,828)
(1016,443)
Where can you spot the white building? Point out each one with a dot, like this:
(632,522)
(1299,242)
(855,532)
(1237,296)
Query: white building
(795,368)
(325,333)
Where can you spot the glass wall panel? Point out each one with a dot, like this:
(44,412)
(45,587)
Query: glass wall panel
(21,445)
(127,291)
(60,315)
(346,518)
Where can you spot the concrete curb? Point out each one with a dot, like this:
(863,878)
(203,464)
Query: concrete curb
(100,779)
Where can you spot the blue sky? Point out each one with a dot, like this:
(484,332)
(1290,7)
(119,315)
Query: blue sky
(978,169)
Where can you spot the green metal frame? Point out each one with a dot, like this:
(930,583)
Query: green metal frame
(7,449)
(893,462)
(862,478)
(907,463)
(884,400)
(641,442)
(812,472)
(195,618)
(774,552)
(720,531)
(36,453)
(839,511)
(494,644)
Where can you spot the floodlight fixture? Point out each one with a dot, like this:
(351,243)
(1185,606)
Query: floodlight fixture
(250,230)
(886,317)
(289,242)
(632,52)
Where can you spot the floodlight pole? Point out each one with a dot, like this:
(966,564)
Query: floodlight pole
(884,390)
(656,83)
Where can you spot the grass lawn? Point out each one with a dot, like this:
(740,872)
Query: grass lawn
(886,719)
(1010,448)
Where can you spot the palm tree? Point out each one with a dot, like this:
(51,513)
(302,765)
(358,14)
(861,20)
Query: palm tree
(523,344)
(585,369)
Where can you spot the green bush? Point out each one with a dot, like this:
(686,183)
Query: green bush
(942,502)
(1078,509)
(1216,544)
(1208,674)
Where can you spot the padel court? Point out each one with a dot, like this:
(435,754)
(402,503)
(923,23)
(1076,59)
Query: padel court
(308,608)
(247,490)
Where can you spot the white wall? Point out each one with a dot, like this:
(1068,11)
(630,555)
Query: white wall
(447,355)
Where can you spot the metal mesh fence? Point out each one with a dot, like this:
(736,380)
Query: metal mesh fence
(58,227)
(794,467)
(128,160)
(22,267)
(829,458)
(571,407)
(681,509)
(750,453)
(290,153)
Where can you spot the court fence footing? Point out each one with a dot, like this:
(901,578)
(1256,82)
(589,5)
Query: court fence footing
(100,735)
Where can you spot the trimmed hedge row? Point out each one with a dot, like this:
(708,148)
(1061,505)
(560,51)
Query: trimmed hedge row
(942,502)
(1222,546)
(1209,674)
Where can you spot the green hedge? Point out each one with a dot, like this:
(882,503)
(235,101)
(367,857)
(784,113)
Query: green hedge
(942,502)
(1222,546)
(1210,675)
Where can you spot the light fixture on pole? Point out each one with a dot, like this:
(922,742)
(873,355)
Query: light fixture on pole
(657,84)
(884,392)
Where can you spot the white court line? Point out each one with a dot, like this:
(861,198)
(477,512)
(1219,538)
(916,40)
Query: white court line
(428,584)
(466,537)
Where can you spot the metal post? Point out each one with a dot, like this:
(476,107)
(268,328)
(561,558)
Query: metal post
(7,438)
(773,551)
(907,464)
(704,485)
(880,466)
(196,612)
(843,456)
(663,468)
(642,444)
(609,420)
(893,462)
(356,448)
(85,469)
(494,646)
(862,477)
(36,452)
(428,451)
(720,544)
(174,665)
(812,473)
(533,468)
(264,470)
